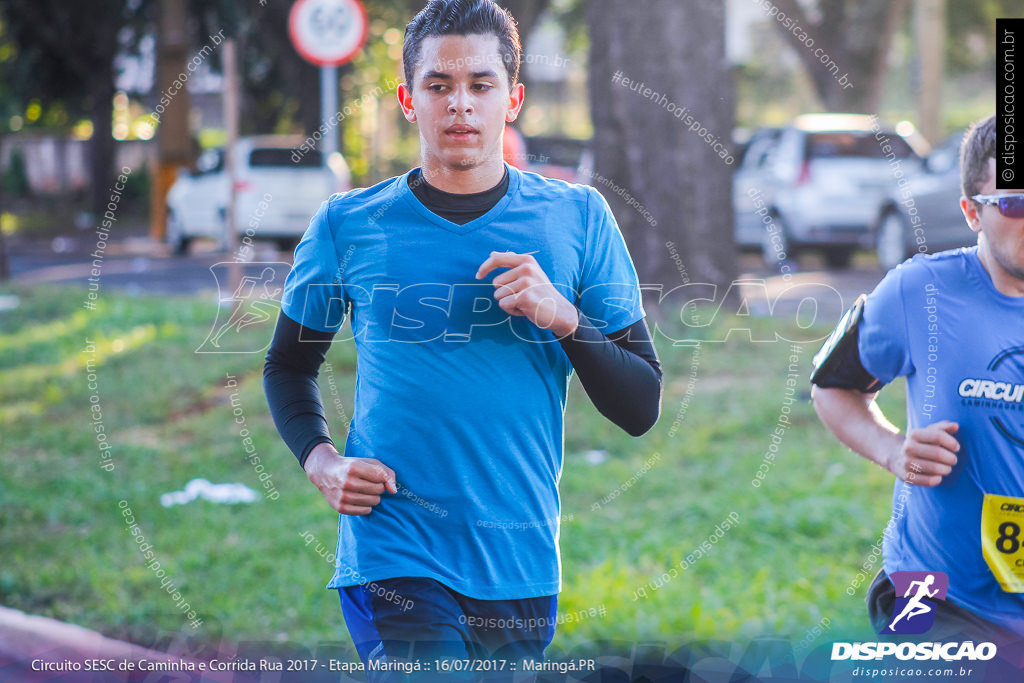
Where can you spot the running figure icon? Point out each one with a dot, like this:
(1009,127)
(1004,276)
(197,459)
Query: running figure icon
(914,606)
(250,311)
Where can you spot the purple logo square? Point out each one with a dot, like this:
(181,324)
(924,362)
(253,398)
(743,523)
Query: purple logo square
(917,596)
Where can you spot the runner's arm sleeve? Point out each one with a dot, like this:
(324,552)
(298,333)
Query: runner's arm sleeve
(619,370)
(620,373)
(313,306)
(290,383)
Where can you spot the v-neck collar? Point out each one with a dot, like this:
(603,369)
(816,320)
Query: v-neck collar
(514,179)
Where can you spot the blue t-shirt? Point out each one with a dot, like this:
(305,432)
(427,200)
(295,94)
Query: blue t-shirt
(463,401)
(940,322)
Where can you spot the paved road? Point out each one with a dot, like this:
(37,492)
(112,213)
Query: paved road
(137,265)
(140,265)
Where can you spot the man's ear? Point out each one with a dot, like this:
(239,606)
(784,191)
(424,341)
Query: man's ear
(515,102)
(405,100)
(970,209)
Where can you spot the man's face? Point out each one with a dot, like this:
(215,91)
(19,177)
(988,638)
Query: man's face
(1000,238)
(460,100)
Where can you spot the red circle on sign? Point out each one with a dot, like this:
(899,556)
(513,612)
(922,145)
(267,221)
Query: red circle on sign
(299,10)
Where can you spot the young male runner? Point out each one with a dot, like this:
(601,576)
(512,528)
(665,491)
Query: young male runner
(952,323)
(473,290)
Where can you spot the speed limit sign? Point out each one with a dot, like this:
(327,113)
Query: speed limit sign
(328,32)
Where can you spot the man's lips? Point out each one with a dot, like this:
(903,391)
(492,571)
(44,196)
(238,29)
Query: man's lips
(461,129)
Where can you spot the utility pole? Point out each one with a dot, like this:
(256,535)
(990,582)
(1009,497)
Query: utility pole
(231,123)
(930,36)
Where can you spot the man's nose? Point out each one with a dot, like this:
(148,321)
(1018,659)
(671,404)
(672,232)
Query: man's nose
(460,102)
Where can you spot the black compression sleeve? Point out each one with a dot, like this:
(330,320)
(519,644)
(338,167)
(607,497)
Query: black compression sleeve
(290,383)
(620,373)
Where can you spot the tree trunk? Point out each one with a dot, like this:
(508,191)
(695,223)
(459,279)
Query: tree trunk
(895,17)
(667,185)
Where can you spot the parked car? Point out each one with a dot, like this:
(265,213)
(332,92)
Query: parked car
(924,215)
(817,184)
(560,158)
(279,186)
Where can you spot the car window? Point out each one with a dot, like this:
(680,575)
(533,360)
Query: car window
(762,149)
(210,161)
(555,151)
(836,144)
(767,153)
(276,157)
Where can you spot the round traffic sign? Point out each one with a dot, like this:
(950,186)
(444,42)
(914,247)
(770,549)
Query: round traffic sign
(328,32)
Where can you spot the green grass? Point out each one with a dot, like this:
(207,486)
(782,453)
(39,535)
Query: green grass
(66,551)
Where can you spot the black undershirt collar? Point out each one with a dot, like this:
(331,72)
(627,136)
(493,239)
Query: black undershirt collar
(457,208)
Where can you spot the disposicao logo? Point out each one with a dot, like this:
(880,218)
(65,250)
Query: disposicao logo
(917,596)
(914,612)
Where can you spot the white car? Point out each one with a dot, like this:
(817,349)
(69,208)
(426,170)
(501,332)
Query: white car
(925,216)
(279,186)
(819,183)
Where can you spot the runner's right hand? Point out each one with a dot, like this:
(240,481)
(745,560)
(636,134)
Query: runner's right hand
(352,486)
(928,454)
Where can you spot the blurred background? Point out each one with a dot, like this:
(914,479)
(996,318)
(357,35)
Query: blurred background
(92,88)
(798,148)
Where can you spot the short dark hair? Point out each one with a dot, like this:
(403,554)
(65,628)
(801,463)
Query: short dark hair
(463,18)
(978,147)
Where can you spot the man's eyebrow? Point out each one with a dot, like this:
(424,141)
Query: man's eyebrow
(440,75)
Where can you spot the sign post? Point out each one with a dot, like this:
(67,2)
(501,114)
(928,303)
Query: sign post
(328,108)
(328,33)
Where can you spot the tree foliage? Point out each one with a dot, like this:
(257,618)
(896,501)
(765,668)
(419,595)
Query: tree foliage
(63,59)
(856,35)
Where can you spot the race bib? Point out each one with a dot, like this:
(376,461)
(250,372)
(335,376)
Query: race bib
(1002,522)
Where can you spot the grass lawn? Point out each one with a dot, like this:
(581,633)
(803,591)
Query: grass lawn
(634,511)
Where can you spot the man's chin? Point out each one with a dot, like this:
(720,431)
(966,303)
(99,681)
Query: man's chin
(464,162)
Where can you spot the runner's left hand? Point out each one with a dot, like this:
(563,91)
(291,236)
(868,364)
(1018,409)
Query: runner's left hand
(524,289)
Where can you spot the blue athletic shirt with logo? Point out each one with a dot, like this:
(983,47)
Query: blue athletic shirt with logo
(463,401)
(939,321)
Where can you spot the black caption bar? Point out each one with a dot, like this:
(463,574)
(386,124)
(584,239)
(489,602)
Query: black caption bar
(1009,152)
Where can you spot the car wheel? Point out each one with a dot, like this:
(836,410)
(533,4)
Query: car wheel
(838,257)
(891,241)
(176,235)
(776,247)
